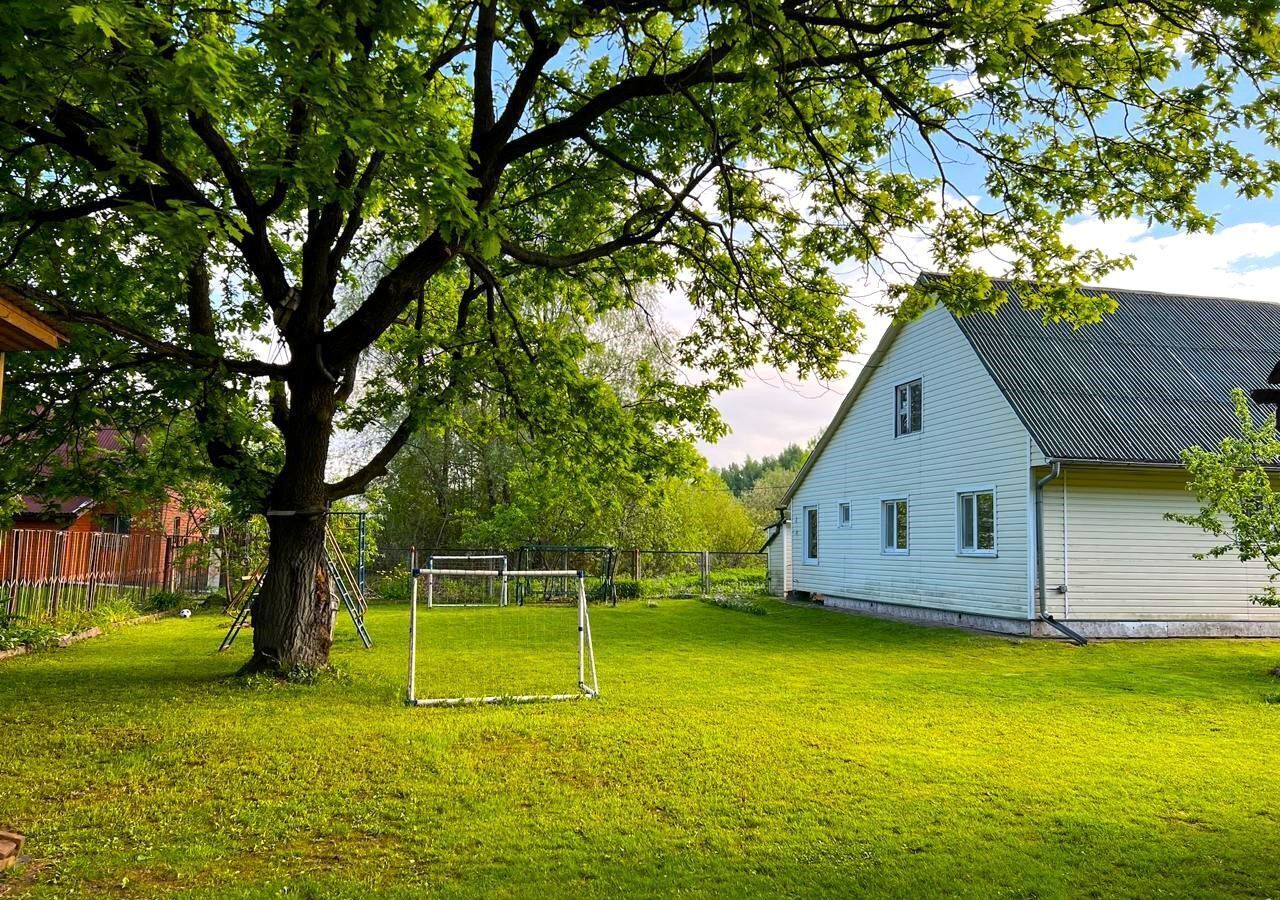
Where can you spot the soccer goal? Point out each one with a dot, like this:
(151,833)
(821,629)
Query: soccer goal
(478,648)
(484,583)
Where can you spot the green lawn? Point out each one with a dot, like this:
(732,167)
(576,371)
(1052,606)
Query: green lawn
(796,753)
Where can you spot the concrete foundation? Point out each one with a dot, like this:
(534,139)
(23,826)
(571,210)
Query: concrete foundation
(1090,628)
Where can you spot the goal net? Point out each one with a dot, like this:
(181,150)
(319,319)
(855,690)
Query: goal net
(466,580)
(473,640)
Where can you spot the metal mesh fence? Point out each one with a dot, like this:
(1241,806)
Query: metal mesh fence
(612,574)
(597,563)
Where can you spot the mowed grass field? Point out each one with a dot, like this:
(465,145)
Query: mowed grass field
(796,753)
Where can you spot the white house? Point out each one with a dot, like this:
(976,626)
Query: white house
(994,471)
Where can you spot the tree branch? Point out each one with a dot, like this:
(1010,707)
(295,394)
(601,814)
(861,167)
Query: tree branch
(195,358)
(389,298)
(376,467)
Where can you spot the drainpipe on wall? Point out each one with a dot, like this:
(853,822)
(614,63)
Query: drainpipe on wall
(1055,470)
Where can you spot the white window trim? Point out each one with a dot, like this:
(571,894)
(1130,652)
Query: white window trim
(804,533)
(904,381)
(895,498)
(846,503)
(995,520)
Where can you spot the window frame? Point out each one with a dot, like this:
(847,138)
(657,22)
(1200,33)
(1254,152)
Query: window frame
(115,523)
(917,408)
(817,534)
(975,491)
(844,513)
(885,502)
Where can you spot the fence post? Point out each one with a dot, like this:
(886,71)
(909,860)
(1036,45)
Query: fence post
(95,545)
(14,538)
(361,544)
(120,563)
(166,572)
(706,573)
(58,549)
(635,564)
(143,566)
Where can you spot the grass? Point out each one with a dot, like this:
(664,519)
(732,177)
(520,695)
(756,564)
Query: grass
(796,753)
(740,580)
(40,632)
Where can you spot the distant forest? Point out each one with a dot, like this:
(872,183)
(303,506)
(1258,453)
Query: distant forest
(740,478)
(759,484)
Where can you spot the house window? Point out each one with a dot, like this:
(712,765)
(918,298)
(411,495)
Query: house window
(114,523)
(811,533)
(896,526)
(976,522)
(907,406)
(843,514)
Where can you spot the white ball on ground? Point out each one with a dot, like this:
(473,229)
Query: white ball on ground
(186,614)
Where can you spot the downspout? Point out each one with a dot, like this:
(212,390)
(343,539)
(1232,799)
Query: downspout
(1055,470)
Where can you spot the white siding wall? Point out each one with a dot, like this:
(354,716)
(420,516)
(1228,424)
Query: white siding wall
(1057,559)
(1126,562)
(970,436)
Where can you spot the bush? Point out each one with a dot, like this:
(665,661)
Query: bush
(105,614)
(162,601)
(14,633)
(392,586)
(737,602)
(628,590)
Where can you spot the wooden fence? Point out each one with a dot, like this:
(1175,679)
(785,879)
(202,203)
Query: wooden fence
(46,573)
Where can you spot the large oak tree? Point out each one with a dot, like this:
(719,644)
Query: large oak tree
(468,185)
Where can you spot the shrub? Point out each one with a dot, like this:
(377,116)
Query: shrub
(15,632)
(628,590)
(737,602)
(162,601)
(392,586)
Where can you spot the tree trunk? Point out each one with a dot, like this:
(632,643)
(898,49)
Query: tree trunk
(293,616)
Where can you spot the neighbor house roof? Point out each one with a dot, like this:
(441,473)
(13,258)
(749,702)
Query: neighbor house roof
(104,438)
(1141,385)
(1138,387)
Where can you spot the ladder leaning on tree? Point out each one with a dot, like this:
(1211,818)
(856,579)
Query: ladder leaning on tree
(341,581)
(242,614)
(351,599)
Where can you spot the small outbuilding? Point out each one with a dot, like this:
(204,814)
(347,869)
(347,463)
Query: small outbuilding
(995,471)
(777,552)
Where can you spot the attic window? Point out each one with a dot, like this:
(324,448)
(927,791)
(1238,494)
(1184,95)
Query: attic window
(908,401)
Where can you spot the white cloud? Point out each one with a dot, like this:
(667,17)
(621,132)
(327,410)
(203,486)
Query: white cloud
(772,409)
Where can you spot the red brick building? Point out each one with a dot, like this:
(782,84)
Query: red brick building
(135,539)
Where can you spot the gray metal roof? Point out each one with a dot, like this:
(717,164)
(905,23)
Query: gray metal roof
(1146,382)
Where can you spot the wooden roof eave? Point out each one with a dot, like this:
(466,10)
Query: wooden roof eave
(23,327)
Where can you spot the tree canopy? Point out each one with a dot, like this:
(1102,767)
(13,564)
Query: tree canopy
(741,477)
(1235,485)
(235,204)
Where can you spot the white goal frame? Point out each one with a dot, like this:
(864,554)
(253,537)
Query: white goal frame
(587,690)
